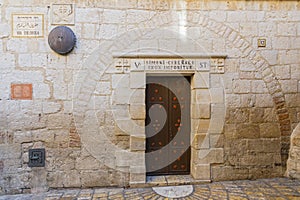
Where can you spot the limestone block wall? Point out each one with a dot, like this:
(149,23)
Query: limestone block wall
(88,111)
(293,161)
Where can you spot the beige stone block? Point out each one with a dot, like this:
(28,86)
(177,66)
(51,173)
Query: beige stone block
(216,125)
(283,71)
(269,130)
(90,15)
(205,110)
(250,131)
(270,56)
(257,115)
(221,173)
(216,140)
(288,57)
(120,81)
(272,145)
(136,158)
(217,118)
(286,29)
(119,111)
(289,86)
(247,100)
(88,31)
(114,16)
(137,174)
(264,100)
(58,121)
(195,114)
(209,156)
(217,95)
(23,136)
(137,16)
(103,88)
(200,80)
(194,125)
(200,141)
(45,136)
(137,111)
(200,172)
(258,87)
(295,71)
(149,45)
(87,163)
(281,43)
(236,16)
(121,96)
(91,178)
(233,100)
(51,107)
(64,179)
(137,143)
(241,86)
(167,44)
(255,16)
(217,15)
(202,96)
(137,80)
(266,29)
(137,96)
(293,100)
(131,127)
(203,125)
(260,159)
(122,158)
(246,64)
(201,111)
(248,29)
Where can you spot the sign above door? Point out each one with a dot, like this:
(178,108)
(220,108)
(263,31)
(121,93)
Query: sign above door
(212,64)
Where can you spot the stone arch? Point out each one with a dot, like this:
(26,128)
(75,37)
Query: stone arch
(262,66)
(260,63)
(102,58)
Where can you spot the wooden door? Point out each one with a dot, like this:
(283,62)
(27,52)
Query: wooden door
(168,125)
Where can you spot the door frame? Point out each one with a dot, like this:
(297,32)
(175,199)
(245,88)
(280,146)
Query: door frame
(190,75)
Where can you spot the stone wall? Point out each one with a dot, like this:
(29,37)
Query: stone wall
(89,114)
(293,161)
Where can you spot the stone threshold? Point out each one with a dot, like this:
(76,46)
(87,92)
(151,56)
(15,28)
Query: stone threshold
(169,180)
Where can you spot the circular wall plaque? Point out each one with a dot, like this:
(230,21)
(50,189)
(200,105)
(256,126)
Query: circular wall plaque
(62,40)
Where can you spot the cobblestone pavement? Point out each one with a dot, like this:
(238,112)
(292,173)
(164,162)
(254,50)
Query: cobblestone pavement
(279,188)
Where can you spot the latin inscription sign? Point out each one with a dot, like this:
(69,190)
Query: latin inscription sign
(214,64)
(170,64)
(27,25)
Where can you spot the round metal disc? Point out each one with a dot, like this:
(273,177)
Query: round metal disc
(62,40)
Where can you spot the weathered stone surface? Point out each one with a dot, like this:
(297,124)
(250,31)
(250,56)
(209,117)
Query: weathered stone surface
(211,156)
(200,141)
(228,172)
(201,171)
(137,143)
(269,130)
(293,160)
(248,131)
(70,178)
(242,116)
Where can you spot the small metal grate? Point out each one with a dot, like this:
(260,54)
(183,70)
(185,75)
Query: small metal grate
(36,158)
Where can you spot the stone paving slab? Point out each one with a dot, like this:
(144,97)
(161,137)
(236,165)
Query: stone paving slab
(279,188)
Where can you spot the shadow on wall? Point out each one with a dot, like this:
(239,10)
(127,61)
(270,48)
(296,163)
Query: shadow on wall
(293,163)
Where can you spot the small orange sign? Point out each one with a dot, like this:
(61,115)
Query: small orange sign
(21,91)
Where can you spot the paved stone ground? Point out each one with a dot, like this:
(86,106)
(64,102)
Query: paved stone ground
(279,188)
